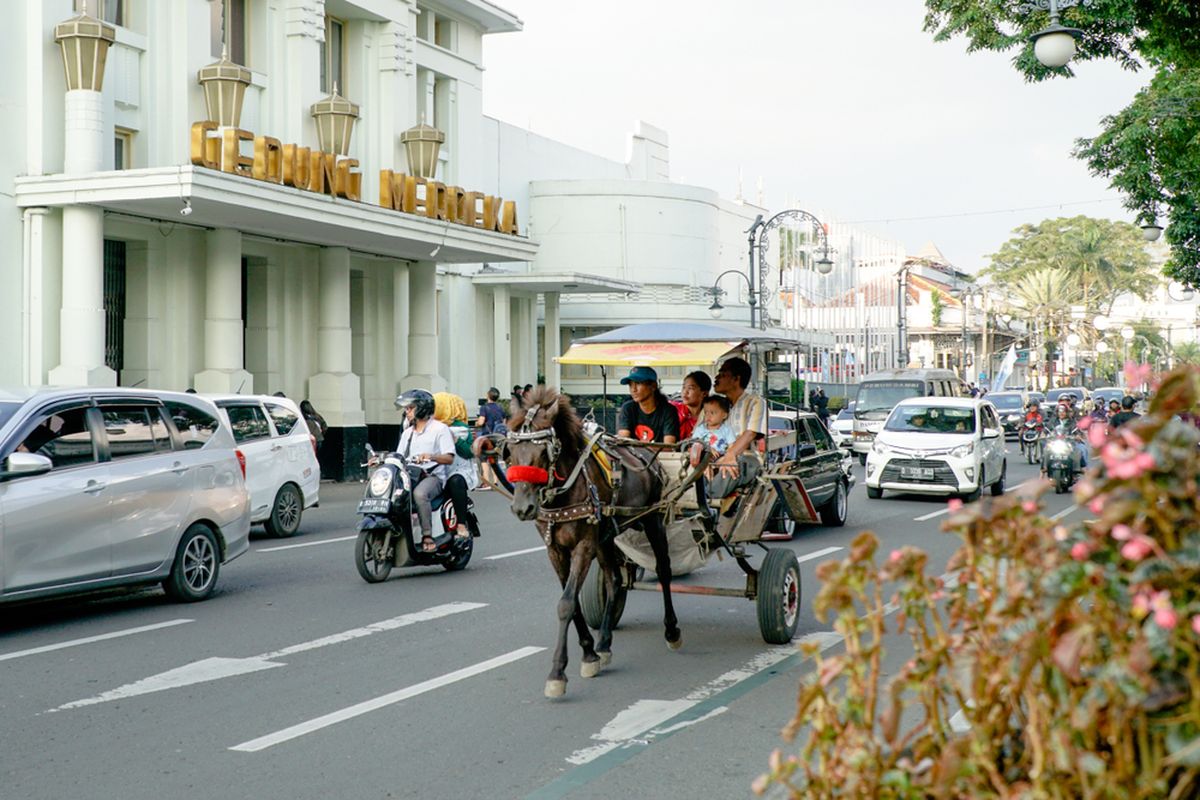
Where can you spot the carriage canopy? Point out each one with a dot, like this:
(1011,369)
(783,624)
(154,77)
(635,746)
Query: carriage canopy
(668,344)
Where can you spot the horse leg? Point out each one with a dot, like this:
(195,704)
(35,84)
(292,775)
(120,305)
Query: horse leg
(657,535)
(607,561)
(556,681)
(581,559)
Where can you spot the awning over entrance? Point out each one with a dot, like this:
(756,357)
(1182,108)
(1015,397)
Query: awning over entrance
(221,200)
(649,354)
(561,282)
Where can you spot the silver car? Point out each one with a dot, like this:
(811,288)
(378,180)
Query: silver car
(113,487)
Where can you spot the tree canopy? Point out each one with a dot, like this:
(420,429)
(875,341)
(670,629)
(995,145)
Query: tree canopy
(1151,150)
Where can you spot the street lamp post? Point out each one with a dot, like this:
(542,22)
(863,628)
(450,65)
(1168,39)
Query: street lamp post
(963,296)
(1054,45)
(902,316)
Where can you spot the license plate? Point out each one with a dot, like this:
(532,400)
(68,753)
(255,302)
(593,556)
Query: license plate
(374,505)
(917,473)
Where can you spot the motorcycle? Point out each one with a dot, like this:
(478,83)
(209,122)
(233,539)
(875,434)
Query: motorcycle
(1061,466)
(389,517)
(1031,441)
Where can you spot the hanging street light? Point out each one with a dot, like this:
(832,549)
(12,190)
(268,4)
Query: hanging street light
(1054,45)
(1151,231)
(421,145)
(335,117)
(84,41)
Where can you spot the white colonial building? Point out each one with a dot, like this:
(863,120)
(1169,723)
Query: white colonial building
(242,195)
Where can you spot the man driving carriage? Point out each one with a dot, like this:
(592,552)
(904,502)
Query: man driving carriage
(647,415)
(748,414)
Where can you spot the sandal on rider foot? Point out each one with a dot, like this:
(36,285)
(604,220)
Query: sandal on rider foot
(428,545)
(462,532)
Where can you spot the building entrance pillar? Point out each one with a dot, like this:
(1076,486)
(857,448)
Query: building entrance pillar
(501,338)
(552,336)
(335,391)
(224,330)
(422,330)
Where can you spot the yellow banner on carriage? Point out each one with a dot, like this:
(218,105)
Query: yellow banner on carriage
(648,354)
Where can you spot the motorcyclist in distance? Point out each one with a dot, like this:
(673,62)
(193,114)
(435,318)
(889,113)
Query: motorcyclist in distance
(431,445)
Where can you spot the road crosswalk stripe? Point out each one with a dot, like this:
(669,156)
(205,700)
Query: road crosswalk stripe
(367,706)
(89,639)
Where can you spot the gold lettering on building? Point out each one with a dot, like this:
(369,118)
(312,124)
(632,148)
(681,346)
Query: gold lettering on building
(296,163)
(268,159)
(232,159)
(206,151)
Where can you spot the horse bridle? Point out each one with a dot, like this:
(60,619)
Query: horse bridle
(548,439)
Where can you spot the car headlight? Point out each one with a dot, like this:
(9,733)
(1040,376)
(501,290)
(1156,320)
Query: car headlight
(1059,448)
(962,451)
(381,481)
(879,448)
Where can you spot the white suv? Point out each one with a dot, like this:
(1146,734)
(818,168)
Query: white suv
(939,445)
(282,473)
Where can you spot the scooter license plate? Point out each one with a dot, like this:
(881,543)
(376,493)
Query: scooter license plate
(374,505)
(917,473)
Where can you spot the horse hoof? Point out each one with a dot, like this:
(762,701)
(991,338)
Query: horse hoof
(605,657)
(675,645)
(556,688)
(590,669)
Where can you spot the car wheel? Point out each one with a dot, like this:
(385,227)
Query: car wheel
(197,564)
(833,513)
(874,493)
(285,513)
(999,486)
(971,497)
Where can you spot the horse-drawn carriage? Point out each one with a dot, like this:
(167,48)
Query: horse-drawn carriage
(632,505)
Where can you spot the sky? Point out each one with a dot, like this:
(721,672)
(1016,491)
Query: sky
(845,107)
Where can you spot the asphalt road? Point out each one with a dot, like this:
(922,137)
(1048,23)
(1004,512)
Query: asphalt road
(299,680)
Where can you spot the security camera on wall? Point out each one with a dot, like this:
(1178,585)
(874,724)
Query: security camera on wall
(186,211)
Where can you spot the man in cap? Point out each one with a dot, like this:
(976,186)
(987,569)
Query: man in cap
(647,415)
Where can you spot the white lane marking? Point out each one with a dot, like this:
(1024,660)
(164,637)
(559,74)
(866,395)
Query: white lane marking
(931,515)
(367,706)
(211,669)
(304,544)
(1064,512)
(89,639)
(639,721)
(822,552)
(540,549)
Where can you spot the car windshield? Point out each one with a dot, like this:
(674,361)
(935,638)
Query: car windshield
(6,412)
(877,399)
(1006,402)
(932,419)
(847,412)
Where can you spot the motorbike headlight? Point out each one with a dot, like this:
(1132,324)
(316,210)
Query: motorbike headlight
(381,481)
(1013,418)
(1059,448)
(963,450)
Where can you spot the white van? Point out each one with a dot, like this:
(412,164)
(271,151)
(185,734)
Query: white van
(879,392)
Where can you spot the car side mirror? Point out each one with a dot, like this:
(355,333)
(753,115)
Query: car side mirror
(807,449)
(991,433)
(24,464)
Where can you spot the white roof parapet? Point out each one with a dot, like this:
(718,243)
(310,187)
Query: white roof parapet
(561,282)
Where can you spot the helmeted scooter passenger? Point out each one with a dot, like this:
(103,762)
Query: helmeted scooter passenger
(430,444)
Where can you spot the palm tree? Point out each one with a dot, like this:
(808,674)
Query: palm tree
(1187,353)
(1044,297)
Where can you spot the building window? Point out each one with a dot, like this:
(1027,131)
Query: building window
(111,11)
(123,149)
(235,12)
(437,29)
(333,57)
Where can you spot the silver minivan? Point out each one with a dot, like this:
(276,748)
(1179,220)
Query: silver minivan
(113,487)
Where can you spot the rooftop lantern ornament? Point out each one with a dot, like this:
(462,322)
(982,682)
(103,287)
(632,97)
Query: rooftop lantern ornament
(421,144)
(335,117)
(224,85)
(1054,45)
(84,41)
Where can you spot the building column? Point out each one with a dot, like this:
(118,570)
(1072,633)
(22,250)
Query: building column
(82,322)
(501,339)
(552,336)
(224,370)
(422,329)
(335,391)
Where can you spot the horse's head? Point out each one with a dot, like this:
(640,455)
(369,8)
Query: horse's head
(542,432)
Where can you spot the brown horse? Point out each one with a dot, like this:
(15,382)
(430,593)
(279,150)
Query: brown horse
(559,484)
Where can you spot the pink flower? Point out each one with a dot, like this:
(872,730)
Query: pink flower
(1097,505)
(895,556)
(1122,532)
(1097,436)
(1084,423)
(1029,507)
(954,505)
(1196,624)
(939,594)
(1132,439)
(1061,533)
(1161,600)
(1166,618)
(1145,461)
(1080,551)
(1137,548)
(1137,374)
(1141,605)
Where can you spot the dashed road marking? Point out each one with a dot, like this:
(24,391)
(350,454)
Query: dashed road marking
(1069,509)
(367,706)
(818,554)
(89,639)
(304,544)
(540,549)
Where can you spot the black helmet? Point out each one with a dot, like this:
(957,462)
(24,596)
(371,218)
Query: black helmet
(419,399)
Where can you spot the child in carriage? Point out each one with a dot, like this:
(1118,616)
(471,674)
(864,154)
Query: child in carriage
(713,432)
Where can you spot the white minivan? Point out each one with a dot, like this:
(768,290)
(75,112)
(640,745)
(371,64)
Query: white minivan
(939,445)
(282,473)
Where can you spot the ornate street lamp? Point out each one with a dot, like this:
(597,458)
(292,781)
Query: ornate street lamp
(84,41)
(335,117)
(224,85)
(421,145)
(716,309)
(1151,231)
(1054,45)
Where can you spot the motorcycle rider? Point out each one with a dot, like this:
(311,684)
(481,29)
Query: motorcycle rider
(1064,425)
(431,444)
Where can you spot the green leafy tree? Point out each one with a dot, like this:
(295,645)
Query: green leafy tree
(1149,150)
(1102,257)
(1187,353)
(935,300)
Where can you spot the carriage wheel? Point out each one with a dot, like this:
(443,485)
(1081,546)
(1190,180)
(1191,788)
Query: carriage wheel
(778,599)
(593,596)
